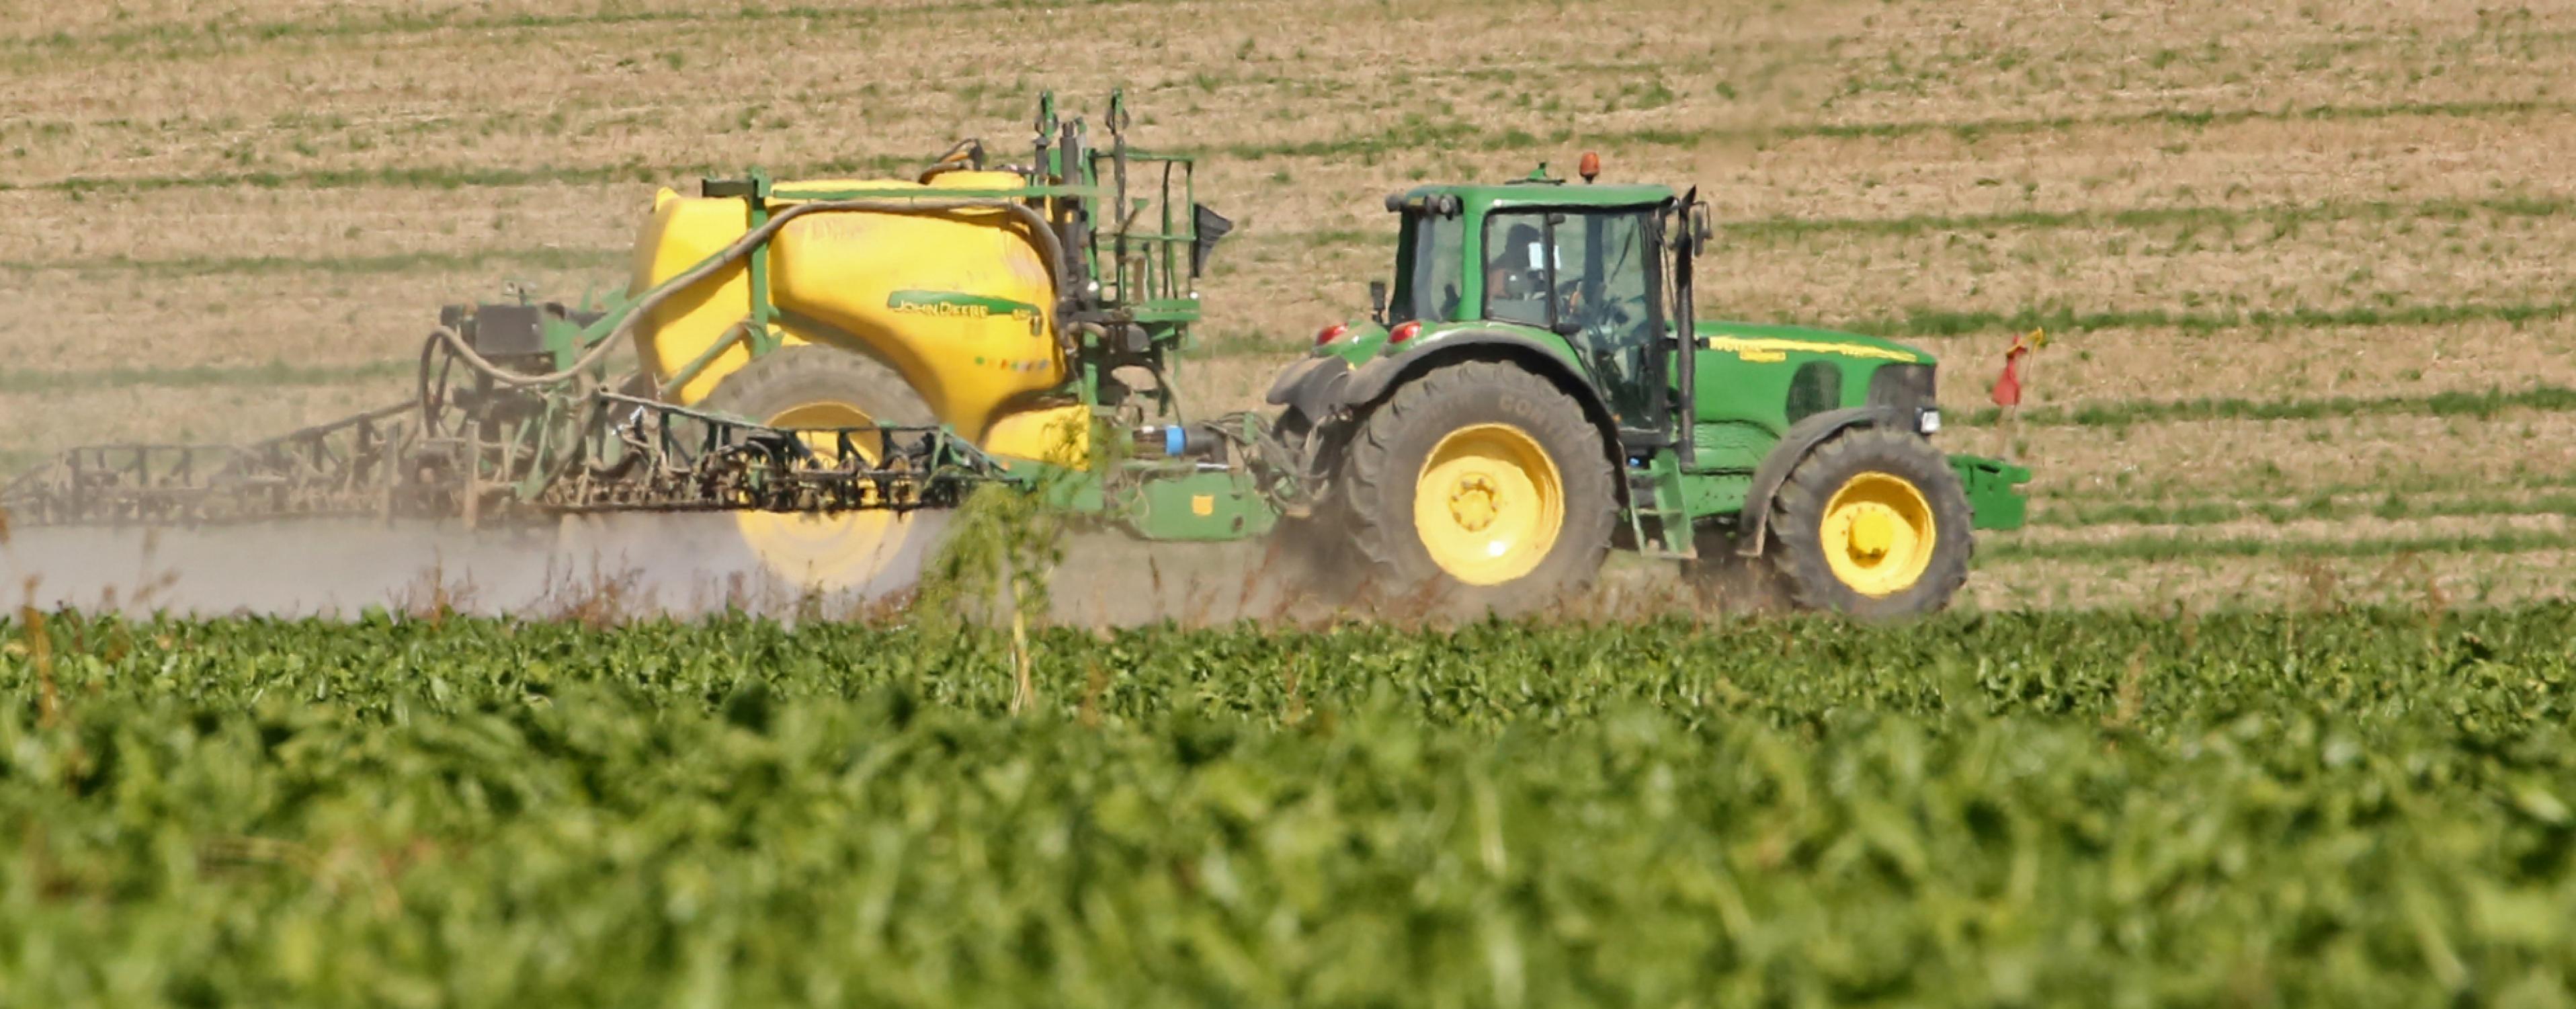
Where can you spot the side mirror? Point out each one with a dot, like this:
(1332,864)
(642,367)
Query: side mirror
(1377,301)
(1699,228)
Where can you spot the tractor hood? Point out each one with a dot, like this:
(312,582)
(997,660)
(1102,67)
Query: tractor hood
(1360,341)
(1763,342)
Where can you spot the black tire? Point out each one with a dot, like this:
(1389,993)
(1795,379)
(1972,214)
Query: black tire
(1797,528)
(806,374)
(1385,461)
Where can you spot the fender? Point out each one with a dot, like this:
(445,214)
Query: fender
(1801,438)
(1310,388)
(1320,386)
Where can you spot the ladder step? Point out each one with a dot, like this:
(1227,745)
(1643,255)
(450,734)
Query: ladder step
(1647,500)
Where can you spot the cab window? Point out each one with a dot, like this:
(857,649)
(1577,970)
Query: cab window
(1430,266)
(1520,268)
(1587,273)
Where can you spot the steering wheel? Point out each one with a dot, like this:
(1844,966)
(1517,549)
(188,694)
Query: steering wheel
(1606,317)
(1605,314)
(1569,301)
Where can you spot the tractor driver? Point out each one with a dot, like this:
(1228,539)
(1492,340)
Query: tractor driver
(1516,288)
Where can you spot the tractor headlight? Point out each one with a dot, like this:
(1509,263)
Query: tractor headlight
(1928,421)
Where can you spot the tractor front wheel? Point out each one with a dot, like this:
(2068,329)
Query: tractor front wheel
(1873,523)
(1479,487)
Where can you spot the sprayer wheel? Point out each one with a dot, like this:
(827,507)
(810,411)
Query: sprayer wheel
(811,386)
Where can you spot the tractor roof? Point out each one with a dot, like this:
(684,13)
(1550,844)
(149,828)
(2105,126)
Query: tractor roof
(1551,193)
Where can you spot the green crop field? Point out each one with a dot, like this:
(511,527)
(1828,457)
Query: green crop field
(2357,808)
(2269,706)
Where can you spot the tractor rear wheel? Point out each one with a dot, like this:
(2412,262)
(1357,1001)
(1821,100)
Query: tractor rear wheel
(1873,523)
(1480,487)
(812,386)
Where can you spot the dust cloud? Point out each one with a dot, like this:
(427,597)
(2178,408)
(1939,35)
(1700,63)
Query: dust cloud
(626,567)
(623,567)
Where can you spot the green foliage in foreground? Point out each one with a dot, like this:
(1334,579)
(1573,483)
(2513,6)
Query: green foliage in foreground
(2347,809)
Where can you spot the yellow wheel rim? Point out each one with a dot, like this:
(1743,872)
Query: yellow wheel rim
(1488,504)
(826,552)
(1878,534)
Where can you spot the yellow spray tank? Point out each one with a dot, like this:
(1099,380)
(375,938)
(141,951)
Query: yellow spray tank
(955,297)
(959,303)
(951,300)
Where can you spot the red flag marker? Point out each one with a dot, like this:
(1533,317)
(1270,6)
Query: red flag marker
(2007,390)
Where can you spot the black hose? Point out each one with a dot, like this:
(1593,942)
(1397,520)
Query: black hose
(433,395)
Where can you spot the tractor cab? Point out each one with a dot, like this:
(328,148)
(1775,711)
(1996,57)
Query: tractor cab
(1579,268)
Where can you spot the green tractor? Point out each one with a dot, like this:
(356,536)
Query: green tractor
(1535,388)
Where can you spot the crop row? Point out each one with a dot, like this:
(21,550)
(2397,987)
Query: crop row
(2366,808)
(2310,507)
(2158,546)
(1412,134)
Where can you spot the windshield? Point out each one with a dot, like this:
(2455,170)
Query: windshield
(1584,273)
(1428,269)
